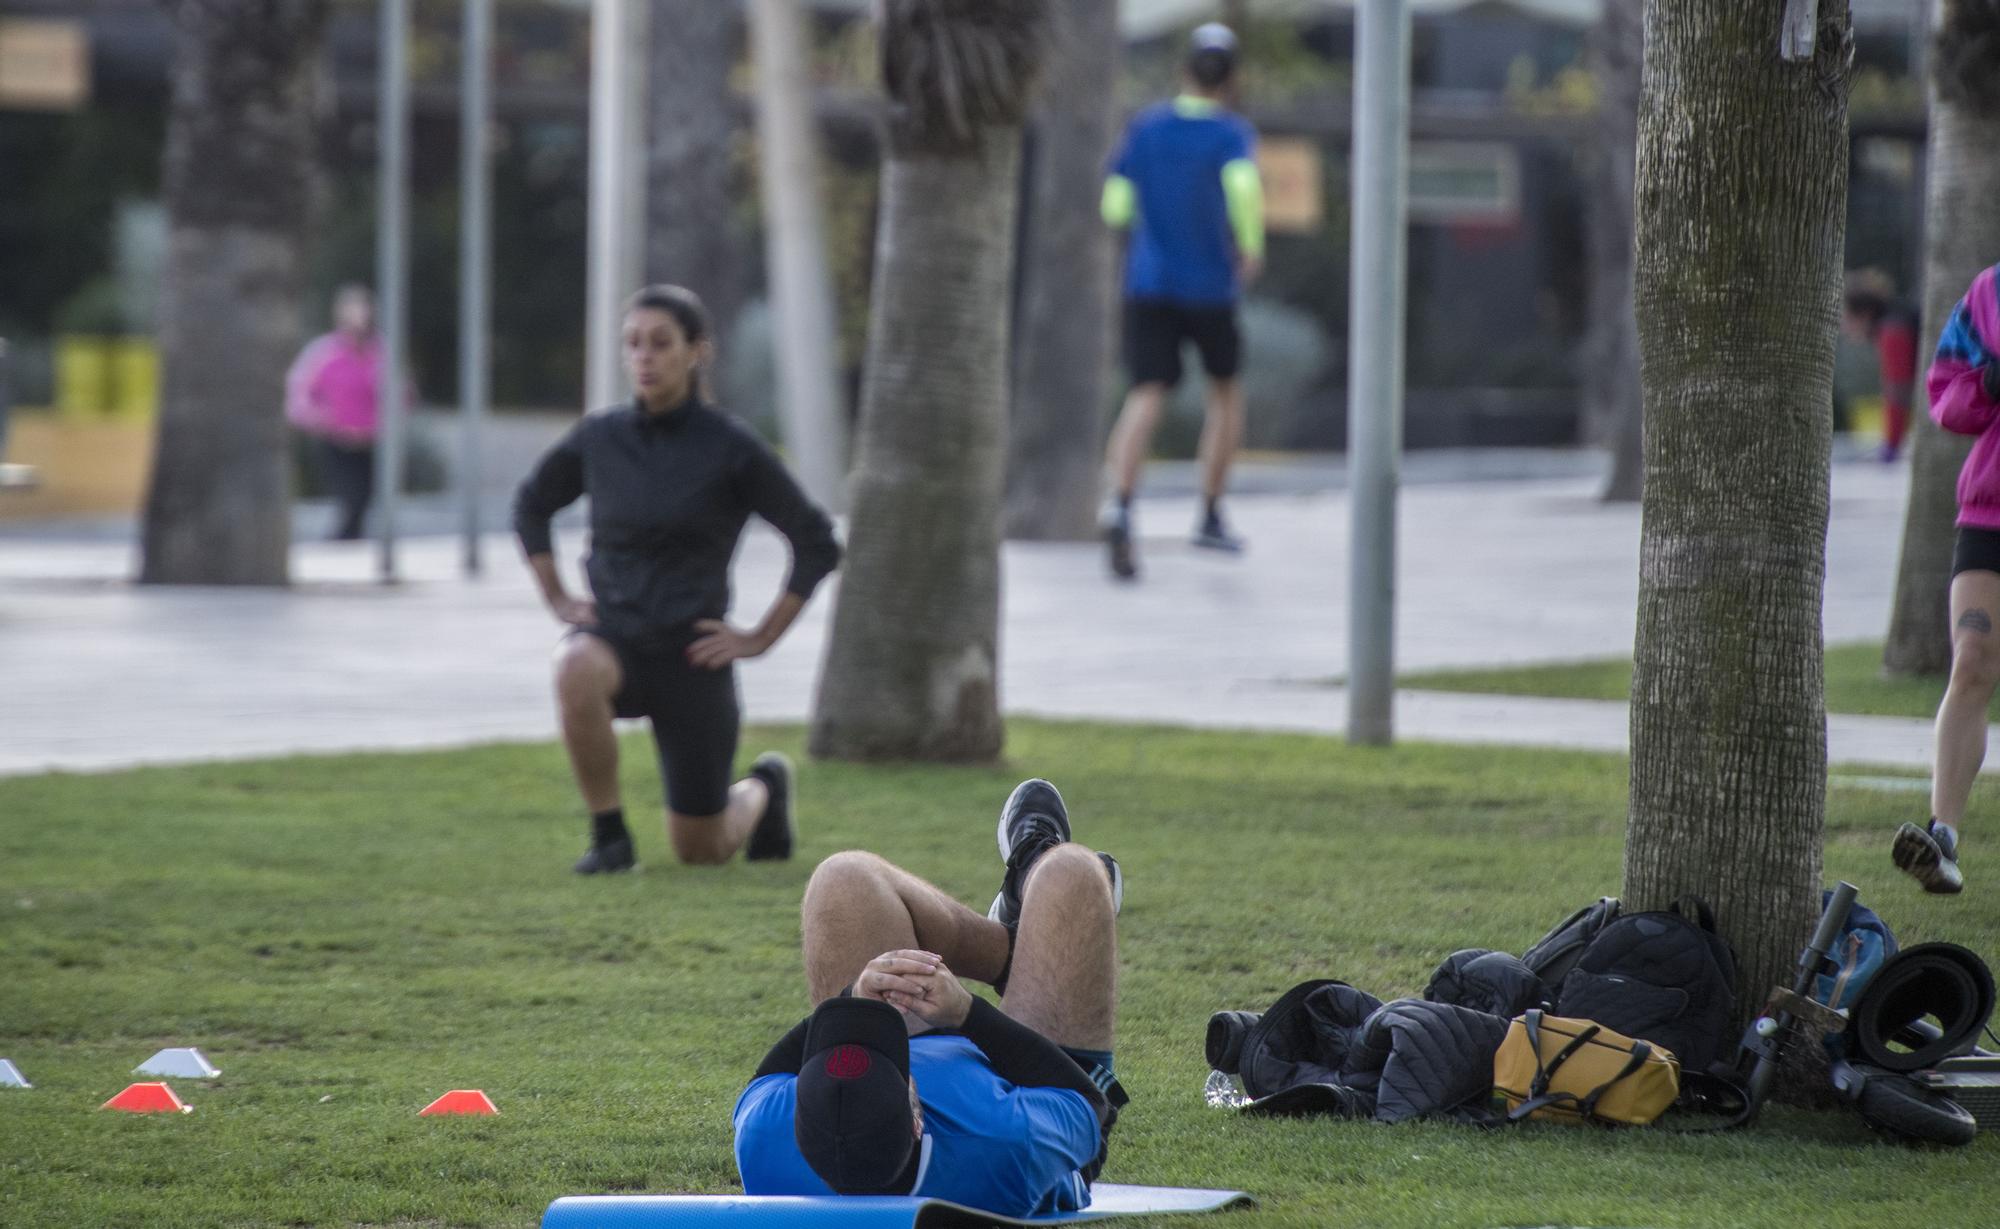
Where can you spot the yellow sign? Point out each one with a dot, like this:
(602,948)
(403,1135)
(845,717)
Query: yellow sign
(1293,184)
(44,65)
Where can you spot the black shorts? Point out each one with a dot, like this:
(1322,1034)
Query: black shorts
(696,717)
(1156,328)
(1115,1093)
(1976,550)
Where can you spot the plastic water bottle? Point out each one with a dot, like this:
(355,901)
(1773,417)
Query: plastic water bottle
(1224,1091)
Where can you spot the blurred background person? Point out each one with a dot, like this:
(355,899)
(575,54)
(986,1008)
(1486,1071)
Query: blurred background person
(1185,184)
(333,395)
(1871,313)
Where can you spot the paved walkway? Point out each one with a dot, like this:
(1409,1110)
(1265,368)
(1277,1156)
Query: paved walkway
(99,673)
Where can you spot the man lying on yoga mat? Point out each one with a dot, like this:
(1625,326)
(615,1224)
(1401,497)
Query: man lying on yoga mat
(903,1083)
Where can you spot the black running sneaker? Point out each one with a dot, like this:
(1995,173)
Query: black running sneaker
(1116,523)
(1033,822)
(1212,534)
(607,858)
(1930,856)
(771,839)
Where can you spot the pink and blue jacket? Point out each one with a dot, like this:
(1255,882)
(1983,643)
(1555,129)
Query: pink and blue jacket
(1964,386)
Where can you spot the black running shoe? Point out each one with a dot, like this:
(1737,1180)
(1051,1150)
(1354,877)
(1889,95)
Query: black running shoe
(1033,822)
(1212,534)
(1930,856)
(1116,523)
(771,839)
(607,858)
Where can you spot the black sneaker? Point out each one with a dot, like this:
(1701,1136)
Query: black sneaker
(605,859)
(1116,523)
(1212,534)
(771,839)
(1930,856)
(1033,822)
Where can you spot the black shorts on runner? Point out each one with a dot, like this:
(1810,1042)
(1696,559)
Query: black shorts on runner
(1977,550)
(1156,328)
(696,719)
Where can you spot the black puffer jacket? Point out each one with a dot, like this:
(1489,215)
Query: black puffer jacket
(1489,981)
(1326,1047)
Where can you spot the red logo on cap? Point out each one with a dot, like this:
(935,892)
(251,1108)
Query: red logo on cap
(847,1062)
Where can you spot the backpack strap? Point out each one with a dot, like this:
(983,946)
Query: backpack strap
(1695,910)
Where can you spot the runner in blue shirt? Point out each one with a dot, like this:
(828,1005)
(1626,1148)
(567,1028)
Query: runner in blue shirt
(1185,184)
(902,1082)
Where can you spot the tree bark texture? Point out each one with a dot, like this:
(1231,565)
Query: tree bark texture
(1741,199)
(1062,336)
(1612,407)
(912,667)
(1961,237)
(691,239)
(237,174)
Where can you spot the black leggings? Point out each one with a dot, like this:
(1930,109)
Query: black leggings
(349,475)
(696,719)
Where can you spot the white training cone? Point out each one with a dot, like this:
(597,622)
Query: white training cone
(185,1063)
(10,1075)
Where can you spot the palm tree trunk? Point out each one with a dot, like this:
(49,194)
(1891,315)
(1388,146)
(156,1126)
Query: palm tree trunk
(1062,337)
(912,668)
(218,510)
(1742,179)
(690,174)
(1612,407)
(1961,237)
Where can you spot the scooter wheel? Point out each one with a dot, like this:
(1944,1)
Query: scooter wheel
(1907,1110)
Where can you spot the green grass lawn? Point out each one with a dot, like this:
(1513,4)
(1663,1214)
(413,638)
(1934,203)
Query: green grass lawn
(348,937)
(1854,682)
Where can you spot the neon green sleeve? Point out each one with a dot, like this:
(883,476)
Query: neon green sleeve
(1243,188)
(1120,203)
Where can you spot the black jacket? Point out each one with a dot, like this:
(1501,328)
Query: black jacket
(669,495)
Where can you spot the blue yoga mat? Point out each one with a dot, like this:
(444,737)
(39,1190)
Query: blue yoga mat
(861,1211)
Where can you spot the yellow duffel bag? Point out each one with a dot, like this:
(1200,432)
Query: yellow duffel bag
(1567,1070)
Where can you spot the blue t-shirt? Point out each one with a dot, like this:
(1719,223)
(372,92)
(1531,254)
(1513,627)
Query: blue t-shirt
(992,1145)
(1182,248)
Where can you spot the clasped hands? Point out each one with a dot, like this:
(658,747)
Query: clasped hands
(917,984)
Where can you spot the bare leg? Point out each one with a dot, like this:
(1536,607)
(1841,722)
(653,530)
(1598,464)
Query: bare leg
(1221,435)
(1064,983)
(1975,669)
(587,677)
(1132,438)
(705,840)
(858,906)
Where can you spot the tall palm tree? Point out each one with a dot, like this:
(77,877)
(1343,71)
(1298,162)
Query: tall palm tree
(1742,192)
(695,116)
(1063,312)
(1961,237)
(912,667)
(1613,409)
(238,165)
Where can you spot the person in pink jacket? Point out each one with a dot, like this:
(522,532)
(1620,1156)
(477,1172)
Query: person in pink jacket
(333,395)
(1964,386)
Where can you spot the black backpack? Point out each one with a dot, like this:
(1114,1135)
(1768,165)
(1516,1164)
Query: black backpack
(1666,977)
(1556,953)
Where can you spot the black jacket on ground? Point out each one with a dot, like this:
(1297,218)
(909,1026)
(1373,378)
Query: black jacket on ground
(669,495)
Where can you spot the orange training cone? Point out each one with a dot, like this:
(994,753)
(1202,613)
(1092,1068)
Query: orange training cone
(148,1099)
(461,1101)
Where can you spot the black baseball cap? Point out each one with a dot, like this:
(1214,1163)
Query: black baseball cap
(852,1121)
(1211,55)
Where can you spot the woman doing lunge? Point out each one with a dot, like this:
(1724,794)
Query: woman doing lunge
(671,481)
